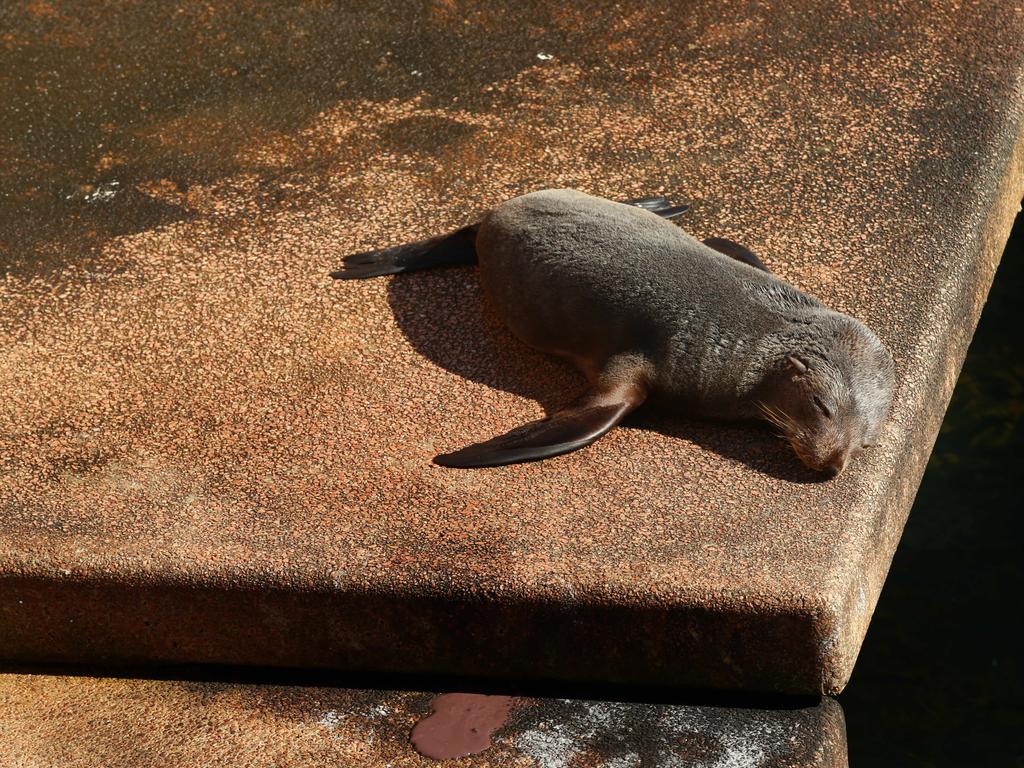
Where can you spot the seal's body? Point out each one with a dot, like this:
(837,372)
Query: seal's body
(648,312)
(602,279)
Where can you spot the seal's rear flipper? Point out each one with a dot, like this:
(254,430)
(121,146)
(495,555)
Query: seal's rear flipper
(459,247)
(659,205)
(735,251)
(574,427)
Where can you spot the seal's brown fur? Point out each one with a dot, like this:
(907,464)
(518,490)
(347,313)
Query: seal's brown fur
(648,312)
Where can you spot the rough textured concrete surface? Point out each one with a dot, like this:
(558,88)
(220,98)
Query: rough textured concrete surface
(74,722)
(212,452)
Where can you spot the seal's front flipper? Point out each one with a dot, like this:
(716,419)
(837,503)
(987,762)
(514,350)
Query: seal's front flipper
(574,427)
(459,247)
(659,205)
(736,251)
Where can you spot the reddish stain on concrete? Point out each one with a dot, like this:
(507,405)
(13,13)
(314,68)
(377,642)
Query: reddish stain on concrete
(461,724)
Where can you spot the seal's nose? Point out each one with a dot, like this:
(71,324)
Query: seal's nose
(836,462)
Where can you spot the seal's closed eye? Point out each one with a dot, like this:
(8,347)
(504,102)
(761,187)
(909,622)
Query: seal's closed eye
(820,405)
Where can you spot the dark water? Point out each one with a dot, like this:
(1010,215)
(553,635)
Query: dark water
(940,680)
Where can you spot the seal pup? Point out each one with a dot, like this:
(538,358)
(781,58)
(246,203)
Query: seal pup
(649,313)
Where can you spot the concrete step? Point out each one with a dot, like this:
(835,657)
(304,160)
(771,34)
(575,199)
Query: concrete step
(87,721)
(213,453)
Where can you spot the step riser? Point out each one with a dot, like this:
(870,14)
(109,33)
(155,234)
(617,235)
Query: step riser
(69,621)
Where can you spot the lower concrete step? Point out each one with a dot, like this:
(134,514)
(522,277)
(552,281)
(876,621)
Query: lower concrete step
(85,722)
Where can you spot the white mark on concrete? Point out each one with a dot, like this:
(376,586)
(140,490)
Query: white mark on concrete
(101,194)
(734,740)
(740,745)
(603,716)
(331,719)
(832,640)
(739,753)
(555,747)
(624,761)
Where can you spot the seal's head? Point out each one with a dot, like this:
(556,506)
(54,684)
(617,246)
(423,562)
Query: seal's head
(830,392)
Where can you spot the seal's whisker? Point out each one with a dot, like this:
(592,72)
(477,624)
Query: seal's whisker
(779,419)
